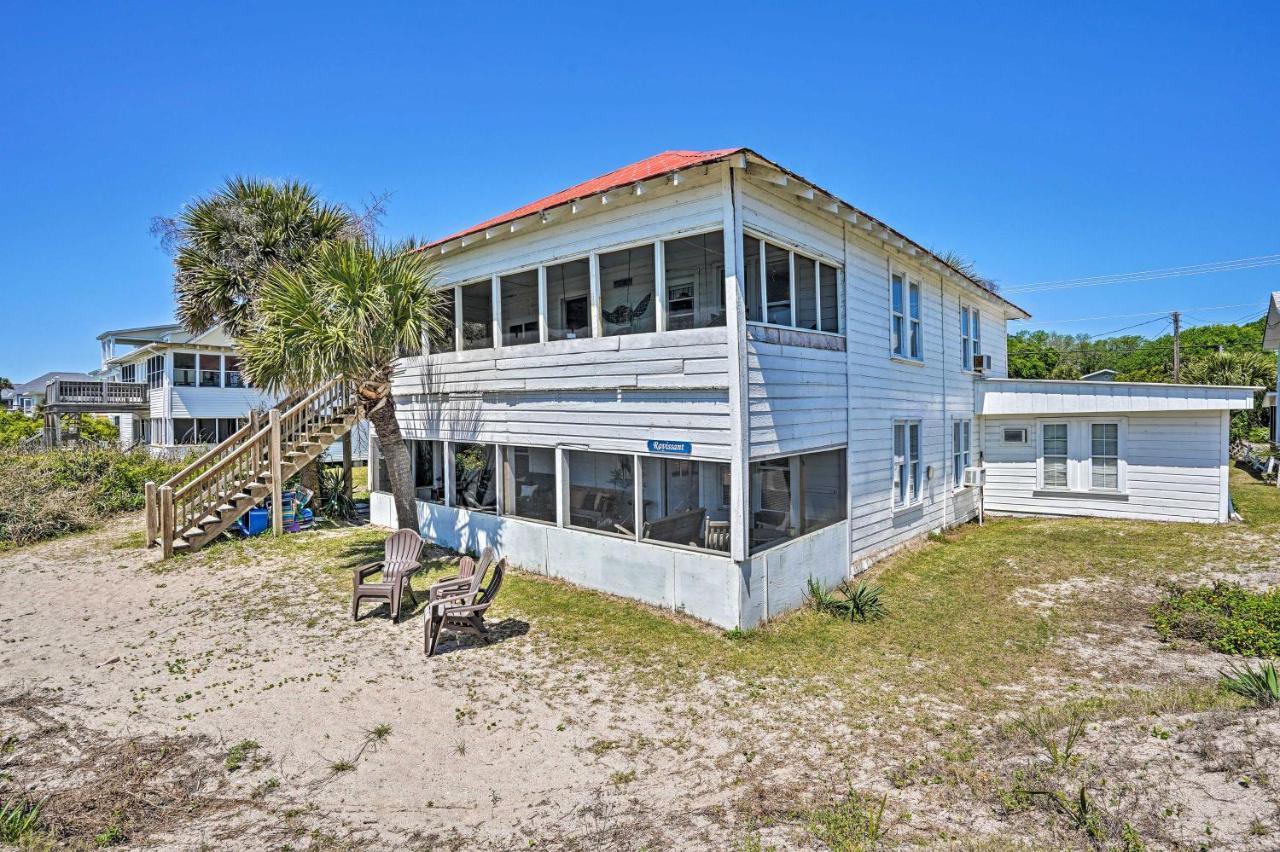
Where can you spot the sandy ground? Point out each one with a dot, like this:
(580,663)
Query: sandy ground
(488,745)
(500,747)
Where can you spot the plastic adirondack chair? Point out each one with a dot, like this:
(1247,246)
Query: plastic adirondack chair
(461,608)
(401,560)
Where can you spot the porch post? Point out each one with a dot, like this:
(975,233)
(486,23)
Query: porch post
(736,329)
(450,472)
(149,491)
(277,487)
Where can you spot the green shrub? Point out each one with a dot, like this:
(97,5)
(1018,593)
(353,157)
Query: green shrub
(1261,686)
(1259,435)
(43,495)
(848,602)
(14,426)
(1225,616)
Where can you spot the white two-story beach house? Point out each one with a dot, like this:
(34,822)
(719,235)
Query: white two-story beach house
(196,393)
(701,379)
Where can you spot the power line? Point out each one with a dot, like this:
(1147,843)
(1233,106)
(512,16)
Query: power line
(1149,274)
(1143,314)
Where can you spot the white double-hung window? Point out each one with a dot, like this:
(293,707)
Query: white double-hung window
(1055,454)
(1104,459)
(1083,456)
(961,449)
(905,327)
(970,336)
(906,462)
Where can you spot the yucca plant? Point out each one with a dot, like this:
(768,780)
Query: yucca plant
(848,602)
(1260,685)
(334,502)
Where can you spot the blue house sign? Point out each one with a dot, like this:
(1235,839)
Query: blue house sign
(682,448)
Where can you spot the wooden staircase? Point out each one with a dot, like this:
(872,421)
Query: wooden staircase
(206,497)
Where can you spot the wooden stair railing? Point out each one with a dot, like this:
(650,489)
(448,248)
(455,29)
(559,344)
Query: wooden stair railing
(203,499)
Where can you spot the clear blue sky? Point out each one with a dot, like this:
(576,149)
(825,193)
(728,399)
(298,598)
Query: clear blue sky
(1048,144)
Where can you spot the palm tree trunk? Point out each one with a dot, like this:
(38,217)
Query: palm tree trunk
(399,467)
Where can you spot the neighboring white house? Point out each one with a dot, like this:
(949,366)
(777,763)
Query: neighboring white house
(701,379)
(196,393)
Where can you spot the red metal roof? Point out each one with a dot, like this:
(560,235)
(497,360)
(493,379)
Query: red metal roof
(666,163)
(659,164)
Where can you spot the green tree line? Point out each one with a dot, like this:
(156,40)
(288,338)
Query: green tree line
(1223,354)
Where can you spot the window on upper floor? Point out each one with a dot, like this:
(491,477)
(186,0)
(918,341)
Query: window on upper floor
(569,300)
(970,336)
(906,463)
(694,275)
(785,287)
(627,284)
(444,338)
(231,375)
(905,326)
(476,321)
(184,369)
(520,308)
(128,373)
(155,371)
(210,370)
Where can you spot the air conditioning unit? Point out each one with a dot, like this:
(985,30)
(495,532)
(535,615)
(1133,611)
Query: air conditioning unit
(981,363)
(975,477)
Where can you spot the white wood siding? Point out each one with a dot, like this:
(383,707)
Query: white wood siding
(1025,396)
(1176,469)
(604,393)
(878,388)
(217,402)
(796,397)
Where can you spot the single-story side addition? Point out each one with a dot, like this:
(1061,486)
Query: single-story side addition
(701,379)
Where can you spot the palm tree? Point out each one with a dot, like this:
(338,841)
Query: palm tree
(1231,368)
(226,243)
(1243,369)
(351,310)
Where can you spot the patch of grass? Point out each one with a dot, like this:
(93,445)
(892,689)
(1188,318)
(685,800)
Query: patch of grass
(47,494)
(239,753)
(132,541)
(1225,616)
(19,821)
(622,777)
(1260,686)
(855,821)
(378,733)
(341,765)
(1056,733)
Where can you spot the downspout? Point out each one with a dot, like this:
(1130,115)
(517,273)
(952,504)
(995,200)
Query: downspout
(948,430)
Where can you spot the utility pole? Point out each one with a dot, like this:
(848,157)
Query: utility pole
(1177,347)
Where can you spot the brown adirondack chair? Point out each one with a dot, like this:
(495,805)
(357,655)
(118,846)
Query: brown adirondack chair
(462,611)
(401,560)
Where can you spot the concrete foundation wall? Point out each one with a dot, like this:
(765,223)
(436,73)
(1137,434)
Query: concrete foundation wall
(775,581)
(699,584)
